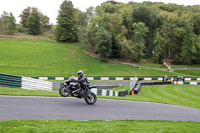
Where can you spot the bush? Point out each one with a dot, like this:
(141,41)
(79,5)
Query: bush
(104,44)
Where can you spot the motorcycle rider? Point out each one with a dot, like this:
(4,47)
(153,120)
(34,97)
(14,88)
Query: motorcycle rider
(82,79)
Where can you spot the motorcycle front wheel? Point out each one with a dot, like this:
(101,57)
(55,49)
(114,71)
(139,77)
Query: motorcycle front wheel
(64,91)
(91,98)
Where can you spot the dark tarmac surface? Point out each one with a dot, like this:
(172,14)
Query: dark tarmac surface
(51,108)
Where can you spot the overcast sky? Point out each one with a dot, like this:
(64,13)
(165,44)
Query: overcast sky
(50,7)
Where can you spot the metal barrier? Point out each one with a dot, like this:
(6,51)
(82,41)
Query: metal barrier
(13,81)
(36,84)
(186,83)
(138,86)
(120,78)
(102,92)
(7,80)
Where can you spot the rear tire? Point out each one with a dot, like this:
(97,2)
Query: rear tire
(91,100)
(64,92)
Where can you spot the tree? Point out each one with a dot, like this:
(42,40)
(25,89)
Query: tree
(116,26)
(104,44)
(11,24)
(159,43)
(151,18)
(24,17)
(91,30)
(34,24)
(7,24)
(152,29)
(90,13)
(80,18)
(115,48)
(196,19)
(66,28)
(170,7)
(44,20)
(126,12)
(139,30)
(168,33)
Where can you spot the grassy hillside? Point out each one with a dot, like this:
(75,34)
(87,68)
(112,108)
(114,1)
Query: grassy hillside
(30,58)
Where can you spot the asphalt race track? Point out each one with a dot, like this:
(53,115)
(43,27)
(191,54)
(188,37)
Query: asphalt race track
(51,108)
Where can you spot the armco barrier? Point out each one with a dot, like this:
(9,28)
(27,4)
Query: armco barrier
(102,92)
(155,83)
(7,80)
(186,83)
(36,84)
(137,88)
(116,78)
(123,93)
(138,85)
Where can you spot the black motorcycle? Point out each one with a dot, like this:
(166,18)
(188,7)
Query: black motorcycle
(74,89)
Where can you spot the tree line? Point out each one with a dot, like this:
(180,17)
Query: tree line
(162,32)
(32,22)
(133,31)
(7,23)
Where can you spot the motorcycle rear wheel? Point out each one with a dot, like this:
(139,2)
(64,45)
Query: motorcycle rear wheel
(64,92)
(92,99)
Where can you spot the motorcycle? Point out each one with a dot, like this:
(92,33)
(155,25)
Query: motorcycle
(74,89)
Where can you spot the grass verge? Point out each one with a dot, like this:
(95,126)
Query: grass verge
(153,65)
(23,92)
(121,126)
(189,72)
(185,66)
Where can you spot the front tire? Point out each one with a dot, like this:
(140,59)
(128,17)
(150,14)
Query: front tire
(64,92)
(92,99)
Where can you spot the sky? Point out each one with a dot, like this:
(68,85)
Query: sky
(50,7)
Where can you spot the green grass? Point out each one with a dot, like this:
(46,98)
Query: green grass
(24,92)
(153,65)
(182,95)
(33,58)
(189,72)
(122,126)
(185,66)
